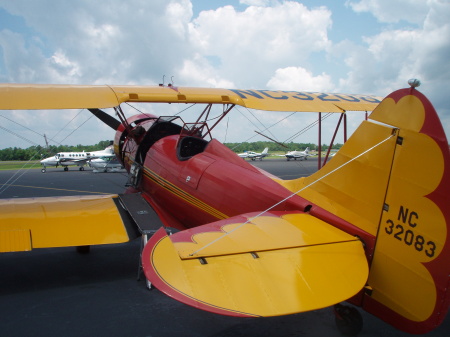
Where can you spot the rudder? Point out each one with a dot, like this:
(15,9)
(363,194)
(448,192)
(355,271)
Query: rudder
(409,275)
(391,179)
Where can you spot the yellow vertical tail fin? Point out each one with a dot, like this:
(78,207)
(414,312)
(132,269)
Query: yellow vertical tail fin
(392,180)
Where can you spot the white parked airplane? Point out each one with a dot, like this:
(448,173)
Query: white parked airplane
(103,164)
(66,159)
(297,155)
(254,155)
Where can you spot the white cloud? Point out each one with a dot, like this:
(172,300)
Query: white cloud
(255,2)
(393,56)
(132,42)
(201,73)
(388,59)
(139,42)
(60,60)
(297,78)
(250,44)
(393,11)
(180,14)
(267,44)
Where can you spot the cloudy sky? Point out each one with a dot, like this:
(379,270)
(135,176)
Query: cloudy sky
(353,46)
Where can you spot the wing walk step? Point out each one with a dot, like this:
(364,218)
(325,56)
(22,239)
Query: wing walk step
(146,219)
(143,214)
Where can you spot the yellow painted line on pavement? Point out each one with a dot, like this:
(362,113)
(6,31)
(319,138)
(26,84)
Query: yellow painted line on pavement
(55,189)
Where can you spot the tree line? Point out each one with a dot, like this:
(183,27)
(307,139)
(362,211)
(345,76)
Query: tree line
(39,152)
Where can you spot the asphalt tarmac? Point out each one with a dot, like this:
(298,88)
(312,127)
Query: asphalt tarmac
(58,292)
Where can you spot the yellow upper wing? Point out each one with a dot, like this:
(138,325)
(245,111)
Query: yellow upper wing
(46,96)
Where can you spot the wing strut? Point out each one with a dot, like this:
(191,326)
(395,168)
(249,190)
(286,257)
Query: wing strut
(226,109)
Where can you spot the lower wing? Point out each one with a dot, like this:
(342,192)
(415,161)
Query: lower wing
(62,221)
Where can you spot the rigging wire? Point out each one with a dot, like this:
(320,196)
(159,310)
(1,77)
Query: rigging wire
(24,128)
(293,194)
(297,134)
(226,130)
(77,128)
(306,128)
(41,135)
(20,172)
(179,112)
(60,143)
(265,128)
(257,127)
(19,136)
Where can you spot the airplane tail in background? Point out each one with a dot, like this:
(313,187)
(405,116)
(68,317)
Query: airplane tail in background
(376,183)
(307,150)
(266,150)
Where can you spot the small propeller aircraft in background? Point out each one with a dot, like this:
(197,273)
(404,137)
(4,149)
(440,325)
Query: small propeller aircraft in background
(66,159)
(105,164)
(254,155)
(370,227)
(297,155)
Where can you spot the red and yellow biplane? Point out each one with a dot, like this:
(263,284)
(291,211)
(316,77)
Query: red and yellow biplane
(370,227)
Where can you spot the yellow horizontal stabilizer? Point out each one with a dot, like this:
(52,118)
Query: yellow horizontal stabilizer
(47,96)
(59,222)
(267,232)
(308,266)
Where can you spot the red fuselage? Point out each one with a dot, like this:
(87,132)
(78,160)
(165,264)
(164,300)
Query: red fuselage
(191,182)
